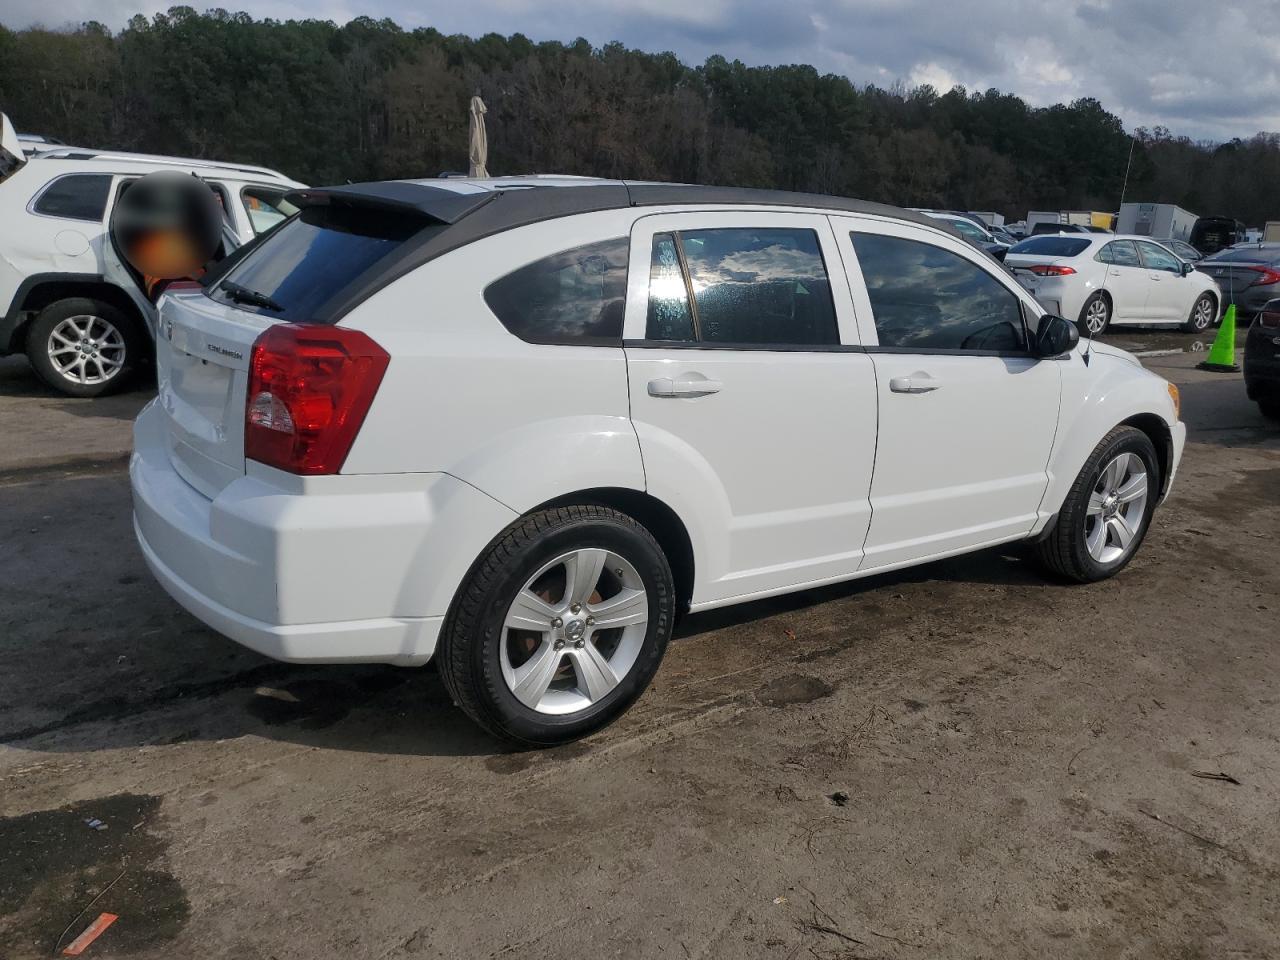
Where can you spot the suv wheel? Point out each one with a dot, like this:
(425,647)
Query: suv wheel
(1202,314)
(83,347)
(1095,315)
(559,626)
(1107,511)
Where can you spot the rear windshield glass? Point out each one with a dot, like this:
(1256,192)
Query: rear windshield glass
(311,259)
(1051,246)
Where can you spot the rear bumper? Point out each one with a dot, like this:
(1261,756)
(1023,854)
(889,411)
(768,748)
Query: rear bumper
(1262,362)
(345,570)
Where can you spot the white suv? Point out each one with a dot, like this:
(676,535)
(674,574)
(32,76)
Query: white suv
(67,299)
(522,425)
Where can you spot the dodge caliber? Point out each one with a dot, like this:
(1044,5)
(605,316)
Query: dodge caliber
(522,425)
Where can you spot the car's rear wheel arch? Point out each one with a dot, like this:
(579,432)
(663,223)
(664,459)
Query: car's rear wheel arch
(656,517)
(48,292)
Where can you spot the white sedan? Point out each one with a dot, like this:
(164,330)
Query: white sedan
(1100,279)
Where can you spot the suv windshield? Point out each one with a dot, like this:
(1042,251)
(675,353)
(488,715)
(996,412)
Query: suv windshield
(1052,246)
(309,260)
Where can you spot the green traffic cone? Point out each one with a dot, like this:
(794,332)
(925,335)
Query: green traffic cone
(1222,355)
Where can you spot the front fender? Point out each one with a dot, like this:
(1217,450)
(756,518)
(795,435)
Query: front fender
(1096,399)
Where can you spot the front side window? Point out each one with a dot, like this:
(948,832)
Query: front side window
(969,229)
(577,296)
(926,298)
(1122,253)
(1157,258)
(751,287)
(78,196)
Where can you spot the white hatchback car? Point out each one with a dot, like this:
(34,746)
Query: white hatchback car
(1100,279)
(522,425)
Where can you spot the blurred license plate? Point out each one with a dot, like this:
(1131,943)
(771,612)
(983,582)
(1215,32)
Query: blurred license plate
(1032,284)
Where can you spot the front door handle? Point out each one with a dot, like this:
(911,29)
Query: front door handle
(687,386)
(918,382)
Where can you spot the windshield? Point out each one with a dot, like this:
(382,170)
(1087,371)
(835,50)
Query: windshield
(312,258)
(1051,246)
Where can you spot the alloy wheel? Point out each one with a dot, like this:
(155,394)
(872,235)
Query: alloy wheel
(1095,318)
(1117,508)
(86,349)
(574,631)
(1203,315)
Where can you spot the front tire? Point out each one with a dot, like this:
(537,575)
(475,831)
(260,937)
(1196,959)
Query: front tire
(1107,511)
(1203,312)
(84,347)
(1095,315)
(559,626)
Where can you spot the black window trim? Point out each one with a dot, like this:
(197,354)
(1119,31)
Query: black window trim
(106,205)
(644,343)
(1017,295)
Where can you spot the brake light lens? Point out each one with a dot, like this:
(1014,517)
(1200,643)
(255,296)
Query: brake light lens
(1270,319)
(1051,270)
(310,387)
(1269,275)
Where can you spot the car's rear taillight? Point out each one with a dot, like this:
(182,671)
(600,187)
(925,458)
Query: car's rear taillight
(310,387)
(1051,270)
(1269,317)
(1269,275)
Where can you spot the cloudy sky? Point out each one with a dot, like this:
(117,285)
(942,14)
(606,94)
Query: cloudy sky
(1202,68)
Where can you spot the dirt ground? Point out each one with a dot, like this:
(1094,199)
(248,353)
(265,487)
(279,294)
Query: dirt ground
(959,761)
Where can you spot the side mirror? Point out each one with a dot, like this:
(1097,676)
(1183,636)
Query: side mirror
(1187,268)
(1055,336)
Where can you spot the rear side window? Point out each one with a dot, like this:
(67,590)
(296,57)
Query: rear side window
(577,296)
(313,258)
(751,287)
(1120,252)
(77,196)
(927,298)
(1051,246)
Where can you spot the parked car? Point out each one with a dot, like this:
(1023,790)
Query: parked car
(1183,250)
(1248,275)
(973,231)
(63,288)
(1262,360)
(1211,234)
(520,425)
(1098,279)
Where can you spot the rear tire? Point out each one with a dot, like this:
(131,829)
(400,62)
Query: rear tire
(1095,315)
(592,674)
(1270,407)
(1071,550)
(84,347)
(1203,313)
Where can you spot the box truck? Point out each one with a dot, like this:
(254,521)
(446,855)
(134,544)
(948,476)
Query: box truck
(1159,220)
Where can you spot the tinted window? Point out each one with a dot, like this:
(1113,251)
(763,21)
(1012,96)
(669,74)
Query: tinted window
(1122,253)
(669,315)
(1051,246)
(1156,258)
(577,296)
(1250,254)
(766,286)
(318,254)
(968,229)
(927,298)
(80,196)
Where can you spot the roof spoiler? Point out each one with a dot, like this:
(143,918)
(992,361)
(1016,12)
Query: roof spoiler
(445,206)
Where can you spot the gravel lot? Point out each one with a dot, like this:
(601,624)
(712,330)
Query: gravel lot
(957,761)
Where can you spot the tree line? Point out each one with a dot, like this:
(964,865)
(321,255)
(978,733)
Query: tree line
(369,100)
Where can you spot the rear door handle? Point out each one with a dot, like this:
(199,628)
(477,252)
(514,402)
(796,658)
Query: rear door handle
(687,386)
(916,383)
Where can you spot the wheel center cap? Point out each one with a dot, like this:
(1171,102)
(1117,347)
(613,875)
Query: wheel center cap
(574,629)
(1111,505)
